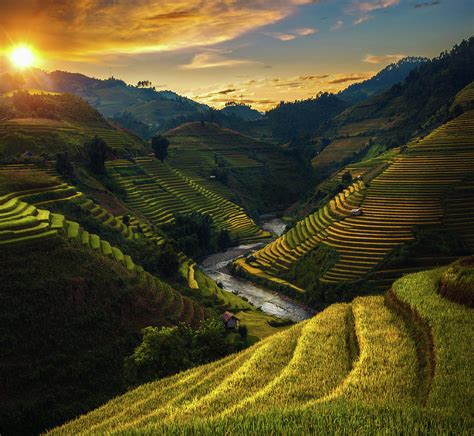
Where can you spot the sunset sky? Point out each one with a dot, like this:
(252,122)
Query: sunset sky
(214,51)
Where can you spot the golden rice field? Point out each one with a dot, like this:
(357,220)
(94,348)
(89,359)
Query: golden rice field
(378,364)
(430,184)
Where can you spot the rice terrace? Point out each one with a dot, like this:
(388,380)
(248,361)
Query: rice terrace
(237,217)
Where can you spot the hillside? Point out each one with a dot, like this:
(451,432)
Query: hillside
(367,366)
(73,305)
(407,110)
(258,175)
(383,80)
(416,212)
(40,122)
(112,96)
(160,193)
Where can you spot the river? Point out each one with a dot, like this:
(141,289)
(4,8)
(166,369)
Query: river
(215,266)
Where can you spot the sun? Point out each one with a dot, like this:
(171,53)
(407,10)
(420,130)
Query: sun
(22,56)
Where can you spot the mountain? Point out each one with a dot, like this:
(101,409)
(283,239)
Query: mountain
(41,122)
(417,211)
(383,80)
(303,118)
(410,109)
(111,97)
(242,111)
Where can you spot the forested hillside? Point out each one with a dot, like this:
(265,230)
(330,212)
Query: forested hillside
(407,110)
(383,80)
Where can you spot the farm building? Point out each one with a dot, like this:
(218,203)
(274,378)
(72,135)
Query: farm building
(230,320)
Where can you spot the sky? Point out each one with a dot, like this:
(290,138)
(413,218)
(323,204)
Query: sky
(259,52)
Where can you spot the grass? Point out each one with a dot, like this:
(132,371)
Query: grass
(69,317)
(451,328)
(352,368)
(261,325)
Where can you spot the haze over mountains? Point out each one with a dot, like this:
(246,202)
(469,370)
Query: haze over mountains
(145,110)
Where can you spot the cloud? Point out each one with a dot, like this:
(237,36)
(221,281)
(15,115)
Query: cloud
(362,19)
(426,4)
(303,31)
(380,59)
(267,92)
(338,25)
(213,59)
(281,36)
(356,77)
(306,31)
(370,6)
(93,29)
(364,8)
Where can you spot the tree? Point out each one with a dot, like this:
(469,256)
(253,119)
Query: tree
(347,178)
(167,261)
(63,164)
(96,151)
(144,84)
(160,145)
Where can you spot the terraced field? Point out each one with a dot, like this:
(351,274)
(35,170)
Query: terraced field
(465,96)
(276,258)
(75,133)
(367,365)
(196,150)
(160,192)
(24,223)
(339,150)
(364,127)
(429,185)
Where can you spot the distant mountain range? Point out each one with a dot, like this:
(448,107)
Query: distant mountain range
(383,80)
(113,97)
(146,111)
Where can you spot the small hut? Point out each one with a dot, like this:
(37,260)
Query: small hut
(231,322)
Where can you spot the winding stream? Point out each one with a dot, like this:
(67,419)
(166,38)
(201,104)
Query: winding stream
(215,266)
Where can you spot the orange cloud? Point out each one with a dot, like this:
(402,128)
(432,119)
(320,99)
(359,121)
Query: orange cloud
(264,94)
(87,28)
(380,59)
(303,31)
(213,59)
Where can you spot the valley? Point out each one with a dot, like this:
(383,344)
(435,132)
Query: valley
(171,267)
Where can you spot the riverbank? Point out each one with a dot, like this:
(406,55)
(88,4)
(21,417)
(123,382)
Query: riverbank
(215,266)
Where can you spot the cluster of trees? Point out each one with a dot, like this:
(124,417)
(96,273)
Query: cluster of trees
(197,236)
(167,350)
(159,145)
(144,84)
